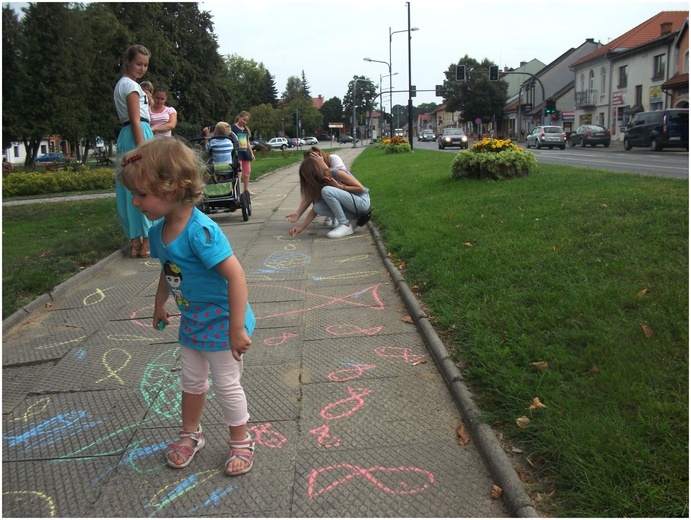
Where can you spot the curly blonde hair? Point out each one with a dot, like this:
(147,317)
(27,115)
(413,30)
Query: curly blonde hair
(163,166)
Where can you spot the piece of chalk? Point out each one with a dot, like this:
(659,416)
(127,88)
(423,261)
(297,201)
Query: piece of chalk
(161,325)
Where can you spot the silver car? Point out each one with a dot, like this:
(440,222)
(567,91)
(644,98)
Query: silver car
(549,136)
(453,137)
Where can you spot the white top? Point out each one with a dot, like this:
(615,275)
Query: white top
(123,88)
(336,162)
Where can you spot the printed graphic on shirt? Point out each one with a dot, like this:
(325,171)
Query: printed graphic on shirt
(174,278)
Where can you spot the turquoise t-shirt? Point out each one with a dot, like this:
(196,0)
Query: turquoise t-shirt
(200,292)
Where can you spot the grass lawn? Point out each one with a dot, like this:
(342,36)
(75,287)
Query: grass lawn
(584,270)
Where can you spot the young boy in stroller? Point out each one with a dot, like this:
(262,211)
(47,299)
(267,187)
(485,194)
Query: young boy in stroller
(223,149)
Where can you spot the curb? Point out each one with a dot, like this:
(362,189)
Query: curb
(514,493)
(21,314)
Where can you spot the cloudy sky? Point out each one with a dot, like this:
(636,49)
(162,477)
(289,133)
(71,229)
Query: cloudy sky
(328,39)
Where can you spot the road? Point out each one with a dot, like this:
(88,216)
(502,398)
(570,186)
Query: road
(668,163)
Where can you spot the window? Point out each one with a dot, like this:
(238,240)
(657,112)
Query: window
(639,95)
(659,66)
(603,81)
(591,81)
(623,76)
(582,83)
(686,62)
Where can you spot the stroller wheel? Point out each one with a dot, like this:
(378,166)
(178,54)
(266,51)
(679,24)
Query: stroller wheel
(245,205)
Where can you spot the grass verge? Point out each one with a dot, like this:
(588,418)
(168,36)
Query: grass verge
(584,270)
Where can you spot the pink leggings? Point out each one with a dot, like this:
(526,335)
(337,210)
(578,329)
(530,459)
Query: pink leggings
(225,373)
(246,169)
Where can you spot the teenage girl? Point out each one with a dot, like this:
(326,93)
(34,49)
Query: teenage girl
(245,152)
(210,289)
(132,106)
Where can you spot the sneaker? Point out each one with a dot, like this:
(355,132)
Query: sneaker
(328,222)
(340,231)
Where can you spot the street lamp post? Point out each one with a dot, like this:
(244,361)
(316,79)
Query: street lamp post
(408,30)
(381,104)
(354,119)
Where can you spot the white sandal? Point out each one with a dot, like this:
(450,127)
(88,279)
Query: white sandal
(243,450)
(187,453)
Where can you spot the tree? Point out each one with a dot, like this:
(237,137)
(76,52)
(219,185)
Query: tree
(265,121)
(332,112)
(14,77)
(268,93)
(245,80)
(365,94)
(295,89)
(477,96)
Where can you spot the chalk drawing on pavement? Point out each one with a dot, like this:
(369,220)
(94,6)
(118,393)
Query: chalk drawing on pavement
(403,480)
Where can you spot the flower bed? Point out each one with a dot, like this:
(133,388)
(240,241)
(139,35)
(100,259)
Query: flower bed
(493,159)
(395,145)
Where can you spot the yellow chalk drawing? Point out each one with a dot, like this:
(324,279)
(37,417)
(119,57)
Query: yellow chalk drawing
(28,495)
(111,372)
(98,296)
(53,345)
(30,411)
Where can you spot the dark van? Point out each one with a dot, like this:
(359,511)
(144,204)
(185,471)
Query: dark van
(659,129)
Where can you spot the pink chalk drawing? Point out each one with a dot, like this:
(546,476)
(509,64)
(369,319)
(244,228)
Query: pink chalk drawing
(347,329)
(174,320)
(410,480)
(355,402)
(367,298)
(265,435)
(324,437)
(279,340)
(346,374)
(398,352)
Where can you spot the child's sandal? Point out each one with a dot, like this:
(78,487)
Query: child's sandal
(243,450)
(185,452)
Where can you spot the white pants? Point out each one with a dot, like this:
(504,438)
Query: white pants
(225,373)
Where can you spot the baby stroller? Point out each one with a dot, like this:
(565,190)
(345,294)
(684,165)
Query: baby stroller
(222,191)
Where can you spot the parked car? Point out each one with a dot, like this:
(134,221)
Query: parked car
(549,136)
(659,129)
(51,157)
(280,143)
(452,137)
(426,135)
(311,140)
(345,139)
(324,137)
(260,145)
(590,135)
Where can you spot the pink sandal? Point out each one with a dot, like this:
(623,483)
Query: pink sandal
(243,450)
(187,453)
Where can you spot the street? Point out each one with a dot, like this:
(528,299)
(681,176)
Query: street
(668,163)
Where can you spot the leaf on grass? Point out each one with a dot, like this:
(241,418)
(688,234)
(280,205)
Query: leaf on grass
(537,405)
(540,364)
(643,293)
(462,434)
(590,372)
(407,319)
(468,244)
(48,305)
(523,422)
(603,206)
(496,492)
(647,331)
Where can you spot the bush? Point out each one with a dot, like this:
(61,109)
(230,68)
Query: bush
(34,183)
(396,145)
(493,159)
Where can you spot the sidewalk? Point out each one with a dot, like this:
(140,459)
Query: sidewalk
(354,409)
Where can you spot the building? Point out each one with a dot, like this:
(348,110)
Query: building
(677,87)
(627,75)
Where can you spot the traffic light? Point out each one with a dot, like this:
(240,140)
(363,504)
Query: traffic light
(460,72)
(493,73)
(439,90)
(295,119)
(413,91)
(550,106)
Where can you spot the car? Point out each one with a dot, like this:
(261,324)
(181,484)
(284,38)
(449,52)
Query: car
(311,140)
(426,135)
(260,145)
(51,157)
(590,135)
(549,136)
(324,137)
(345,138)
(279,143)
(659,129)
(452,137)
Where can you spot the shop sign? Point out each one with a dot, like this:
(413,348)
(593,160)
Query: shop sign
(656,94)
(568,116)
(618,98)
